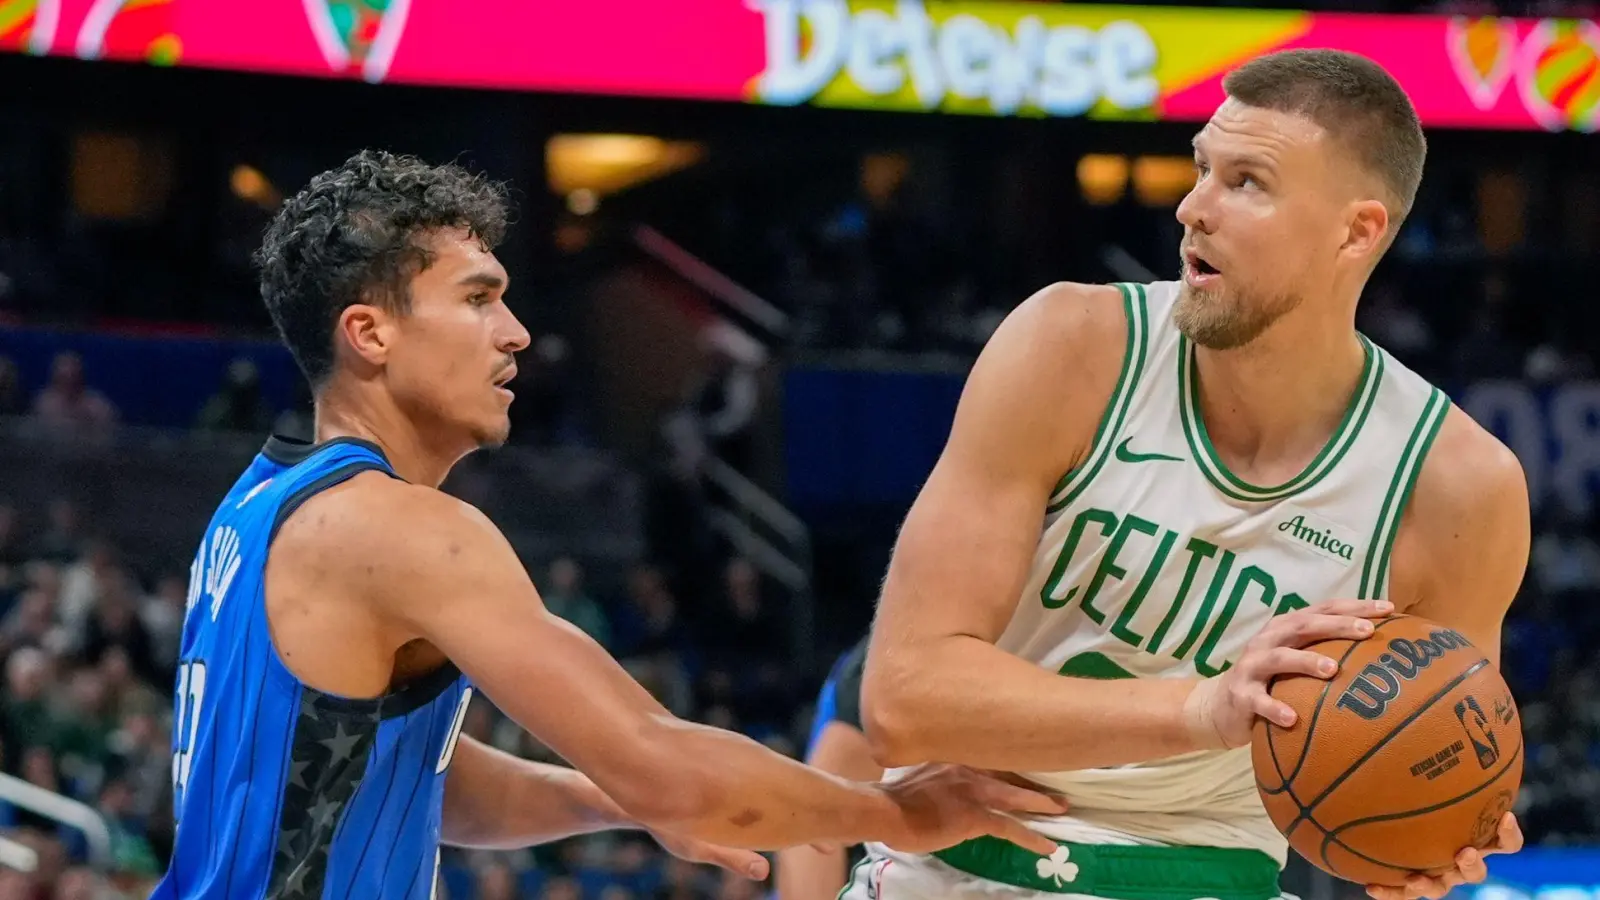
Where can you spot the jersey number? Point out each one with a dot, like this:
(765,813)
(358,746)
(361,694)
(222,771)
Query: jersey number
(191,696)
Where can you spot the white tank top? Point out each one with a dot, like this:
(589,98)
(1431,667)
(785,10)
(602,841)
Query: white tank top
(1154,561)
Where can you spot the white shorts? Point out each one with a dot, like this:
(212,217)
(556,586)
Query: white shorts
(993,870)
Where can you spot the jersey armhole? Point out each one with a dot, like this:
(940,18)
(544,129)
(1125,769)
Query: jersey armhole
(1116,412)
(406,700)
(1375,564)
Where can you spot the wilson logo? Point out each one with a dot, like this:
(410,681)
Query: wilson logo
(1320,538)
(1370,694)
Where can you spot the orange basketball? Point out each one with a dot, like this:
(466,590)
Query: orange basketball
(1412,752)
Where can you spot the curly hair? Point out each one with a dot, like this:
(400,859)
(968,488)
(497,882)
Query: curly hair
(354,235)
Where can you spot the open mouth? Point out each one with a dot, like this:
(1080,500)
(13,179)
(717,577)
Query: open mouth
(1201,265)
(1198,266)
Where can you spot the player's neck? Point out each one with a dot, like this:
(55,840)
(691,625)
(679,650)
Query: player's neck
(412,456)
(1271,406)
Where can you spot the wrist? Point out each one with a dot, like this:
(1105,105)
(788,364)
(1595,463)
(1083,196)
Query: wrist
(1199,716)
(593,805)
(881,818)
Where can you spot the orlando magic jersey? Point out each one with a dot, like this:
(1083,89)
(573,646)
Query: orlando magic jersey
(282,791)
(840,697)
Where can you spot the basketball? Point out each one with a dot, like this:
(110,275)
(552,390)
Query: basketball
(1411,753)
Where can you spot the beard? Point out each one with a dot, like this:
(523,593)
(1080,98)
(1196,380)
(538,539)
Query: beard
(1224,320)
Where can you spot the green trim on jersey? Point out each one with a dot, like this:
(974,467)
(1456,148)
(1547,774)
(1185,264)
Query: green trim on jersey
(1235,488)
(1375,568)
(1073,483)
(1122,872)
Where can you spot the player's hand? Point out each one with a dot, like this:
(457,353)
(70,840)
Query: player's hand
(1469,869)
(740,862)
(1222,710)
(941,806)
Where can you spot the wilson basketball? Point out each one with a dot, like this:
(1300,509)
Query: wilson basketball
(1412,752)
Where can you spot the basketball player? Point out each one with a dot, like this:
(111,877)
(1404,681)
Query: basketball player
(836,745)
(342,611)
(1153,495)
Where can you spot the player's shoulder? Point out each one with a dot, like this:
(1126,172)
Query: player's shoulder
(372,524)
(1073,312)
(1469,472)
(1066,328)
(1467,517)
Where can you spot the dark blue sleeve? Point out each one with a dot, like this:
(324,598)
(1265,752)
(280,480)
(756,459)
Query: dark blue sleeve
(840,698)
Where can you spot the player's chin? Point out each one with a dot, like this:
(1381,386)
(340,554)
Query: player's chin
(494,433)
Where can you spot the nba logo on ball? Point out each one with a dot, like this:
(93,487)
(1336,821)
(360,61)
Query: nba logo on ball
(1477,726)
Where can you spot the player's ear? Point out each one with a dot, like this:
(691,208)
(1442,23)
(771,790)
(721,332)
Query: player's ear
(366,332)
(1366,230)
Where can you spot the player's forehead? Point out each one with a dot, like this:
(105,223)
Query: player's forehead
(459,257)
(1237,131)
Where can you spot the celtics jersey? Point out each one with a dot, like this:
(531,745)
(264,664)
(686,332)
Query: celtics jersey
(1155,561)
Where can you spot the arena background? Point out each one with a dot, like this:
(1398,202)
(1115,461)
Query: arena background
(757,270)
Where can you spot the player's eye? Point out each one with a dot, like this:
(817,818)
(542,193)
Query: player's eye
(479,299)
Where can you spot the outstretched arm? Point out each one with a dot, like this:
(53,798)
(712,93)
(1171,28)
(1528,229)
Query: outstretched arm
(436,569)
(495,801)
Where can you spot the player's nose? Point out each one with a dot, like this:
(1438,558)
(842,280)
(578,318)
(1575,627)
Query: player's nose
(1193,210)
(511,336)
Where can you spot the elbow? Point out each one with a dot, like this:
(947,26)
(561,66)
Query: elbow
(895,731)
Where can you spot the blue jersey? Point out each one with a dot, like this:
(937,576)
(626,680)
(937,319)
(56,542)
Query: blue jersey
(282,791)
(840,697)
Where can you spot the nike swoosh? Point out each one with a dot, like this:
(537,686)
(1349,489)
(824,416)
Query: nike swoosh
(1128,456)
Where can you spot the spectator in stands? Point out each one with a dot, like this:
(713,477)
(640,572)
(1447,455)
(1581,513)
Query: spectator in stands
(162,615)
(61,539)
(115,623)
(238,404)
(24,708)
(140,754)
(82,730)
(650,638)
(649,624)
(69,404)
(565,597)
(126,693)
(31,622)
(82,584)
(130,850)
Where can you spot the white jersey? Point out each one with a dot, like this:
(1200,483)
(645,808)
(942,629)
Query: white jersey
(1155,561)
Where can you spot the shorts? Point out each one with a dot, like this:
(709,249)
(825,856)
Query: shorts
(991,869)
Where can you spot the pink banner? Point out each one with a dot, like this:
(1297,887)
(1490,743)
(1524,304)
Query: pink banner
(969,57)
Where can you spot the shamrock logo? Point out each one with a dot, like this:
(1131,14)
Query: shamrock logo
(1059,867)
